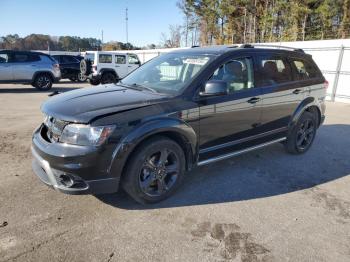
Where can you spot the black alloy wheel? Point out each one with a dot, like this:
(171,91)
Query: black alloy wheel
(305,134)
(155,170)
(159,172)
(302,135)
(43,82)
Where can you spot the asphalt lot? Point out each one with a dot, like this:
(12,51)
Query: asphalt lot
(261,206)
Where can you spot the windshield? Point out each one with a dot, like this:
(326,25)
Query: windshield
(168,73)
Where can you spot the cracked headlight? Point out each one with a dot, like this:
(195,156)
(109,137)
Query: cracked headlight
(85,135)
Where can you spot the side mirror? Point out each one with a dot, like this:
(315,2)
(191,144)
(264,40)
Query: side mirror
(214,88)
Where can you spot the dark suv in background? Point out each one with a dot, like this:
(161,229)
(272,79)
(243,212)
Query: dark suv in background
(35,68)
(180,110)
(70,67)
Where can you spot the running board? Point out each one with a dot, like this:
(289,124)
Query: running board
(236,153)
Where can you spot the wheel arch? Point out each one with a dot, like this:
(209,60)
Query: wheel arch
(36,74)
(108,70)
(309,104)
(173,129)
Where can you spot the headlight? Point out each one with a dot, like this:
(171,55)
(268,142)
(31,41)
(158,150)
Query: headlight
(85,135)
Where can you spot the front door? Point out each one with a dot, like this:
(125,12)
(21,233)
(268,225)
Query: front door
(133,62)
(120,65)
(229,120)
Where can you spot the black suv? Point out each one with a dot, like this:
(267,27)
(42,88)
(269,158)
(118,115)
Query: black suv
(70,67)
(180,110)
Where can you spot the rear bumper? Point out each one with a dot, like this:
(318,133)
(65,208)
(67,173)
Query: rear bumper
(75,170)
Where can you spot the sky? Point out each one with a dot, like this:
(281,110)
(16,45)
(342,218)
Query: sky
(86,18)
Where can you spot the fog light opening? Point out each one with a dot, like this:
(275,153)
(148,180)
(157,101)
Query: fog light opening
(66,180)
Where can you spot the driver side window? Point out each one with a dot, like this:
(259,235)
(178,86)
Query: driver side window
(237,73)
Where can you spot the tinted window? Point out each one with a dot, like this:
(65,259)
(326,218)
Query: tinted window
(22,58)
(133,59)
(120,59)
(57,58)
(105,58)
(68,59)
(273,70)
(237,73)
(304,69)
(4,58)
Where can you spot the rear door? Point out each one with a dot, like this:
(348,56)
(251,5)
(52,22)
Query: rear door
(5,67)
(120,65)
(133,62)
(24,65)
(281,91)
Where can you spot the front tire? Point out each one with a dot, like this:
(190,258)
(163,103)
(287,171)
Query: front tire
(302,135)
(43,82)
(154,171)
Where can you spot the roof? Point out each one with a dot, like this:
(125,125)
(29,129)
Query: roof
(221,49)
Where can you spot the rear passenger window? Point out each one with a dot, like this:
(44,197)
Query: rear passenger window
(237,73)
(105,58)
(304,70)
(20,58)
(273,70)
(120,59)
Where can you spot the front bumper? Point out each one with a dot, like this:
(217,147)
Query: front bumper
(71,169)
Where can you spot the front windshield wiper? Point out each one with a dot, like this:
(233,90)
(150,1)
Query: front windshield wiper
(137,86)
(144,87)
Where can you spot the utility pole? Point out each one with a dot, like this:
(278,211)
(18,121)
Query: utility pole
(102,39)
(126,24)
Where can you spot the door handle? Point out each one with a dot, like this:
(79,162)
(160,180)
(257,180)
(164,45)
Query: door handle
(296,91)
(253,100)
(117,66)
(129,66)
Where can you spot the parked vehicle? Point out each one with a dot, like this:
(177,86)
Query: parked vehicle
(103,67)
(180,110)
(38,69)
(70,67)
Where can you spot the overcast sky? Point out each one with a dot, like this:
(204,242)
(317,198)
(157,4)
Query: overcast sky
(86,18)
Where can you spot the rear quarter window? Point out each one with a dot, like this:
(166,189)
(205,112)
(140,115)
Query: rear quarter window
(305,69)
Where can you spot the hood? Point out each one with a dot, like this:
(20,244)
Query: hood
(83,105)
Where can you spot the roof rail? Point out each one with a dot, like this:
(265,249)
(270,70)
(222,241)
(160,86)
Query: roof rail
(272,46)
(194,46)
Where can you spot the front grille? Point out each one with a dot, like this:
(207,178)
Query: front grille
(54,128)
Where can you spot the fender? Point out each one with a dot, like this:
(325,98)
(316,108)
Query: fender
(156,126)
(304,105)
(105,70)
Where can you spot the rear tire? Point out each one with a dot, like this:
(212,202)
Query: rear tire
(108,78)
(43,82)
(155,170)
(302,135)
(81,78)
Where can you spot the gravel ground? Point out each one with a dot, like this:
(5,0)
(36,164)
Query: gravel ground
(262,206)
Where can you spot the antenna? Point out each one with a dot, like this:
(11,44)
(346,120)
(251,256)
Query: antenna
(126,24)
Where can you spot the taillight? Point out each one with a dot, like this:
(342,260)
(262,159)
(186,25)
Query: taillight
(56,66)
(94,67)
(326,84)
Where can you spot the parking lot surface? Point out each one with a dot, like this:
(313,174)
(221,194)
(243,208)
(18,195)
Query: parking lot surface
(266,205)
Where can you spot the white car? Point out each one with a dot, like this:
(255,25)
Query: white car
(102,67)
